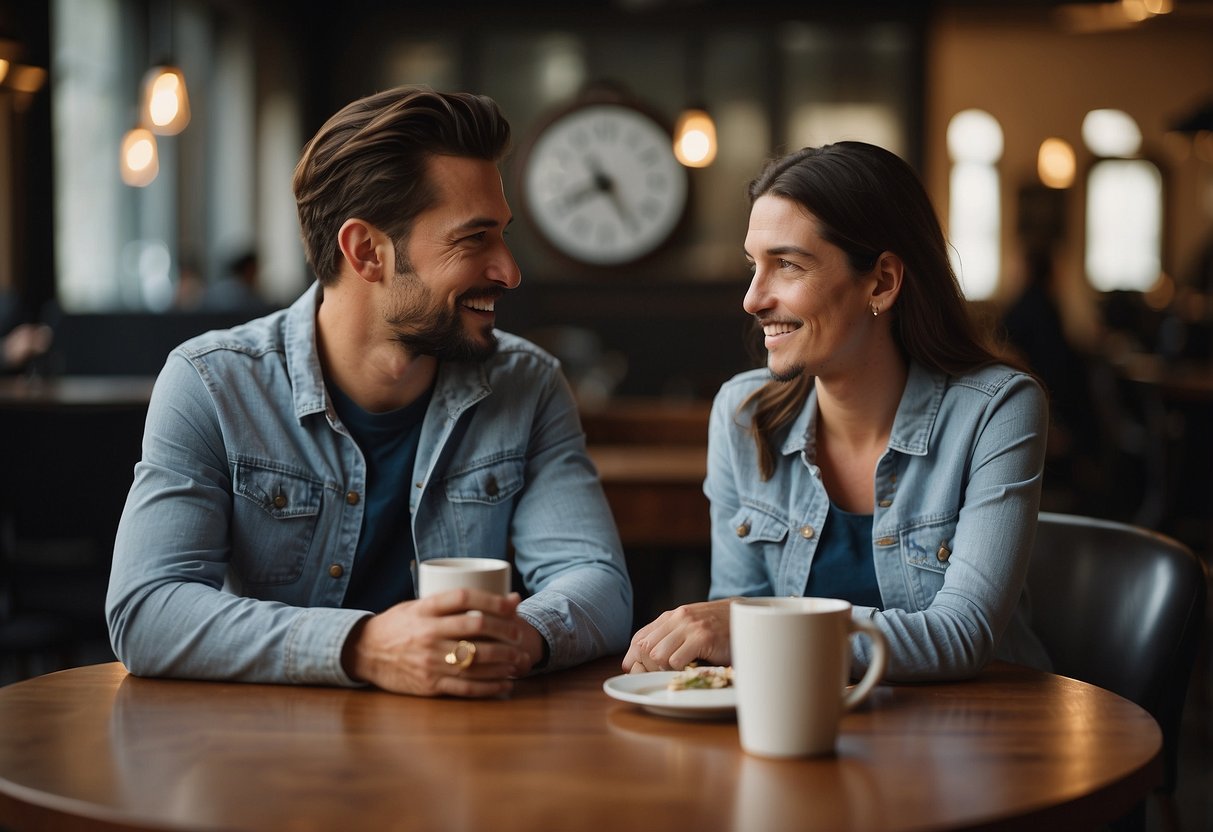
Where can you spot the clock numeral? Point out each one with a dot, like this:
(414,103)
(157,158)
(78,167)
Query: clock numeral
(657,181)
(607,131)
(650,208)
(579,139)
(650,156)
(579,226)
(606,235)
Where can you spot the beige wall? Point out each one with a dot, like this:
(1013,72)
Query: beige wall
(1039,81)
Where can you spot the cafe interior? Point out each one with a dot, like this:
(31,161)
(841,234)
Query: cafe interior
(146,155)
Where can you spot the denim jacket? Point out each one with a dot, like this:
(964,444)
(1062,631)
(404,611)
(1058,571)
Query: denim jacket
(237,541)
(957,493)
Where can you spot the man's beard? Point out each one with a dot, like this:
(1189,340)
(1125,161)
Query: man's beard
(424,326)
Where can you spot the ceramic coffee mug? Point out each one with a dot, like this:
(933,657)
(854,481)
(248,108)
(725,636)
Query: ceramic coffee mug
(791,665)
(440,574)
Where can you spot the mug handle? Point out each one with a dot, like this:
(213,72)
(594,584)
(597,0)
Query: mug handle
(880,658)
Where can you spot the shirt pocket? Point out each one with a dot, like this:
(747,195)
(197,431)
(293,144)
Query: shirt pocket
(926,549)
(481,496)
(274,522)
(762,533)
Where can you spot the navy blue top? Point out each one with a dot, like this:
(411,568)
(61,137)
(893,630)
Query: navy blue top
(381,576)
(843,566)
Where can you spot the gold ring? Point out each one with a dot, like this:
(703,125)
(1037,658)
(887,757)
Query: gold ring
(465,661)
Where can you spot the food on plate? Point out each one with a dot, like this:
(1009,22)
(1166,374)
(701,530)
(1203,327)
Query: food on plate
(699,678)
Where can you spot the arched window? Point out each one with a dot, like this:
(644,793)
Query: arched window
(975,145)
(1124,206)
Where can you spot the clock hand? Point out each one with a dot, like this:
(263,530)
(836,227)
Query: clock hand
(622,210)
(574,198)
(606,185)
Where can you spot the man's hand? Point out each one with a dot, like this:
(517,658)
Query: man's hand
(693,632)
(404,648)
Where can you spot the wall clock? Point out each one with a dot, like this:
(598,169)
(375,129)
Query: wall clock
(601,185)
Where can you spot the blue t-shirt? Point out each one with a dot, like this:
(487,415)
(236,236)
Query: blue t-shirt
(843,566)
(381,575)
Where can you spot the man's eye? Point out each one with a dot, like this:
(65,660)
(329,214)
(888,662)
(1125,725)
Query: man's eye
(475,238)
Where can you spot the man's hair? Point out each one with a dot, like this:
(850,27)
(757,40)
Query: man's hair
(370,161)
(868,201)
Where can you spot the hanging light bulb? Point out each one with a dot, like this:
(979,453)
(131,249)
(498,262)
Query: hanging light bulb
(140,162)
(695,138)
(166,104)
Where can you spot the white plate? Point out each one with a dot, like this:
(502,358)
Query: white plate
(648,690)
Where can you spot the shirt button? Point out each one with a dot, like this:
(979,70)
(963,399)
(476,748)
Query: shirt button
(806,532)
(944,553)
(336,570)
(490,487)
(885,503)
(743,529)
(886,541)
(280,501)
(351,497)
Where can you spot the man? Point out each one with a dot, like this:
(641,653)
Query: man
(295,466)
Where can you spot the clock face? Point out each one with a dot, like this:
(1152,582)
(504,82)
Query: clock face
(601,184)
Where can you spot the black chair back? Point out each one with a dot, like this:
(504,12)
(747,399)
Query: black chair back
(1120,607)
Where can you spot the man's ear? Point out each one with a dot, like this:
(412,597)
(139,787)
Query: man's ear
(366,249)
(889,271)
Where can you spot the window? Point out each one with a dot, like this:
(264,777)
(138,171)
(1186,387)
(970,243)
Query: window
(222,187)
(975,145)
(1124,206)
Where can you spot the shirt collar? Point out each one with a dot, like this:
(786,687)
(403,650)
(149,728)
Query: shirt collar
(459,384)
(912,426)
(302,355)
(918,411)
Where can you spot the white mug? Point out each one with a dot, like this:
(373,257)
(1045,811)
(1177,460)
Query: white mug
(441,574)
(791,665)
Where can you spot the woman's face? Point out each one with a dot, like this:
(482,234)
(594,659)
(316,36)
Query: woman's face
(813,308)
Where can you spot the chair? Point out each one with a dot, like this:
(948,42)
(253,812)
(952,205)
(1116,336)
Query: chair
(1122,608)
(66,471)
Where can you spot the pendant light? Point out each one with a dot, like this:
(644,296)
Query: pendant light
(139,161)
(695,131)
(695,138)
(166,102)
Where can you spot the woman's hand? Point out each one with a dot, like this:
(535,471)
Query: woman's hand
(692,632)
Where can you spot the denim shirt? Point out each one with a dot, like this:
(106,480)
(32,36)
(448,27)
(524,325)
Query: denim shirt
(957,493)
(237,541)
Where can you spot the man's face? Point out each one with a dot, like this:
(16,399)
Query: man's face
(455,265)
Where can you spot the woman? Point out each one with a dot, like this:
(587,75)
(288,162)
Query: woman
(886,455)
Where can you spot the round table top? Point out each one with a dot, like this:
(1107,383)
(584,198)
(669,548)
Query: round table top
(100,749)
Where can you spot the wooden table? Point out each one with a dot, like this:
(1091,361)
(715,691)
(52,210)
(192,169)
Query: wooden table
(94,748)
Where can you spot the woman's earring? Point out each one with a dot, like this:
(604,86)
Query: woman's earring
(875,311)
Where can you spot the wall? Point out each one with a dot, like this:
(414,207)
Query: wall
(1039,81)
